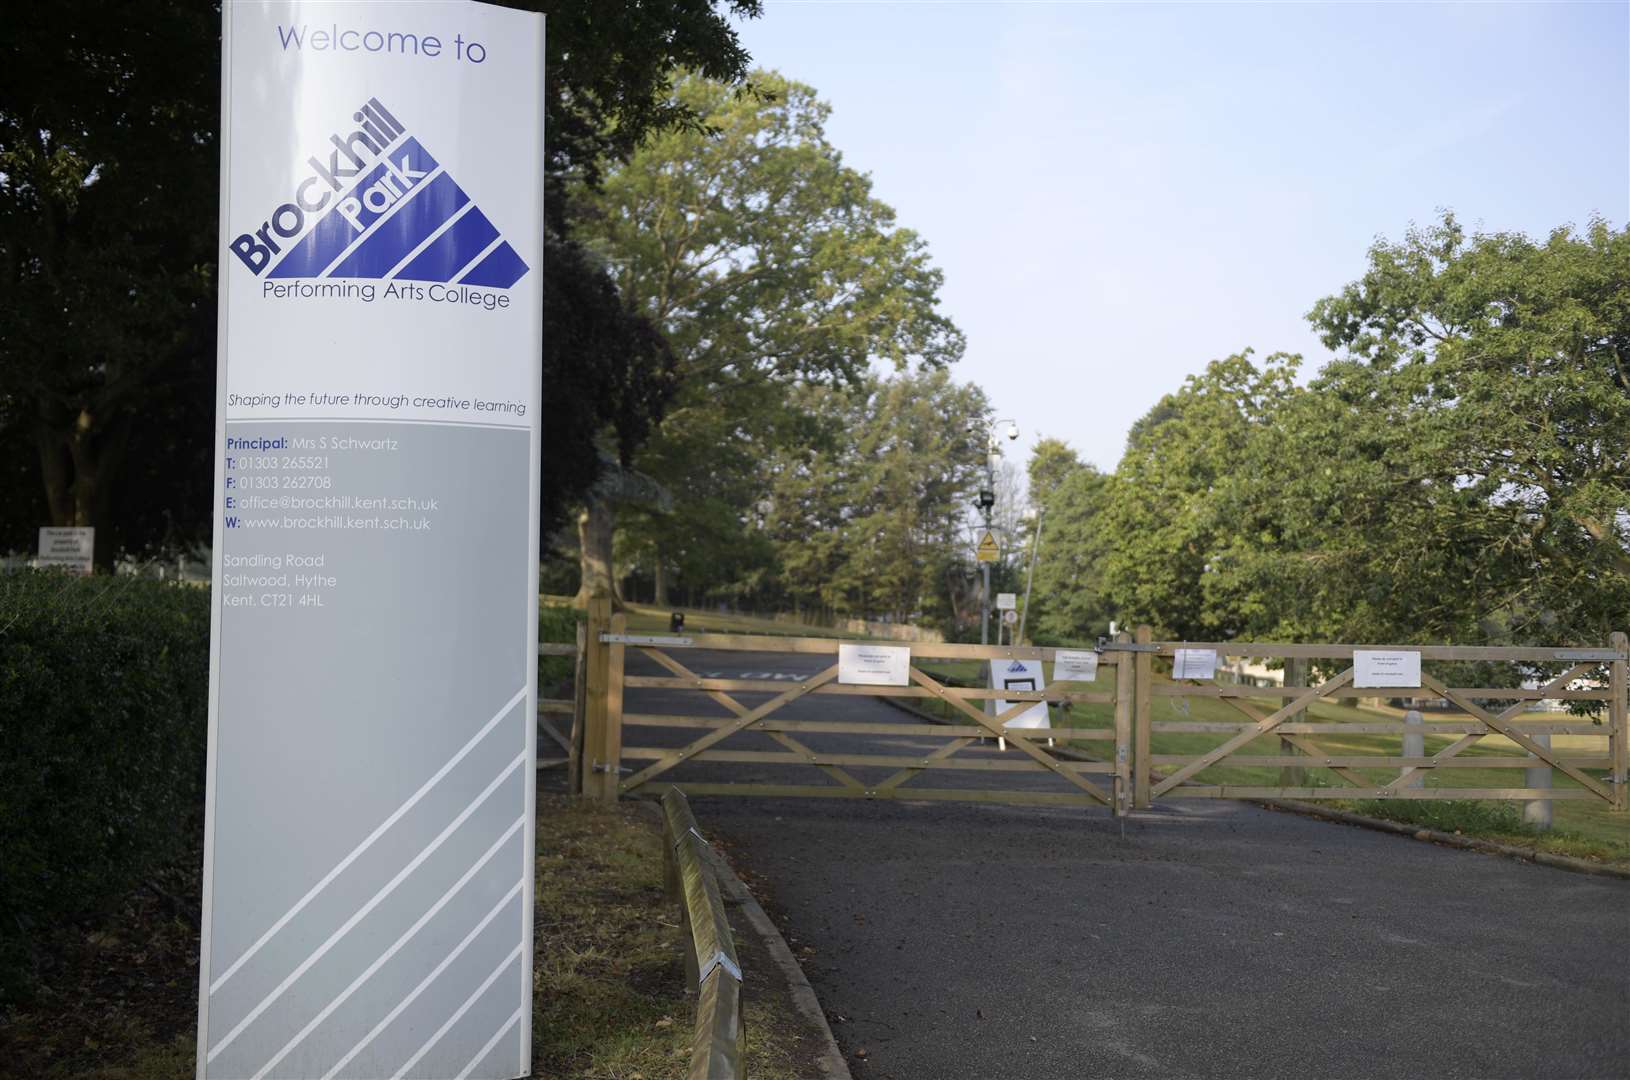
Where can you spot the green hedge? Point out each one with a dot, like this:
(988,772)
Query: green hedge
(103,726)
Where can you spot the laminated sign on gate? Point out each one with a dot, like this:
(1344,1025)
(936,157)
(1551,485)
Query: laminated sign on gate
(1020,675)
(373,688)
(1386,668)
(1075,665)
(874,665)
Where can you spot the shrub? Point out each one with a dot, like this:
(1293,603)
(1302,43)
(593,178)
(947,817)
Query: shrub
(103,727)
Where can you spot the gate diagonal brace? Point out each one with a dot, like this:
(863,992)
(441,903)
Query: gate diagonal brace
(842,777)
(1498,723)
(1509,713)
(994,726)
(1263,726)
(719,734)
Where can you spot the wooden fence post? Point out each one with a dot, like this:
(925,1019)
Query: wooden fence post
(594,738)
(1293,775)
(1537,812)
(1142,697)
(614,709)
(1415,745)
(1125,676)
(1620,719)
(580,697)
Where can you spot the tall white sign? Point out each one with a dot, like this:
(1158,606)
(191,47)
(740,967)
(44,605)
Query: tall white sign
(367,867)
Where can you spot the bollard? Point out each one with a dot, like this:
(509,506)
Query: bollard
(1537,812)
(1415,745)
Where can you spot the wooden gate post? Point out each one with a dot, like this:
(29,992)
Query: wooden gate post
(614,709)
(594,712)
(1620,719)
(1143,698)
(580,698)
(1125,676)
(1293,775)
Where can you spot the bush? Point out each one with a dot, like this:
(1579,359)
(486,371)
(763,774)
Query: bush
(103,727)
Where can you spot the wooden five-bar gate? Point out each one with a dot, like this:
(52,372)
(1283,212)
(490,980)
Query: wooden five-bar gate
(1123,770)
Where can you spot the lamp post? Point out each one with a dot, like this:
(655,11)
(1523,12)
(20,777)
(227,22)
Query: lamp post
(987,502)
(1030,576)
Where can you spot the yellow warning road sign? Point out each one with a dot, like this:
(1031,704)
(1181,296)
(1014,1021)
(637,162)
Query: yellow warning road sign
(988,551)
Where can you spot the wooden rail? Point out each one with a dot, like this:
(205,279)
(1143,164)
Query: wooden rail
(1274,729)
(712,969)
(605,776)
(1295,732)
(568,742)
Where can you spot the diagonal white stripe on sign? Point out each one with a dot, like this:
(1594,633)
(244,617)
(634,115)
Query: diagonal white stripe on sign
(458,951)
(431,239)
(379,222)
(479,258)
(356,852)
(459,1015)
(390,952)
(514,1019)
(362,912)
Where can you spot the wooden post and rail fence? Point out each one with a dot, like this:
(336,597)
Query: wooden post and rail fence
(1128,773)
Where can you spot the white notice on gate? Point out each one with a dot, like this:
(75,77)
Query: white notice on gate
(1075,665)
(1194,664)
(1374,667)
(874,665)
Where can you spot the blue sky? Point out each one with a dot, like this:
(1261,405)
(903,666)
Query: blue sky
(1120,193)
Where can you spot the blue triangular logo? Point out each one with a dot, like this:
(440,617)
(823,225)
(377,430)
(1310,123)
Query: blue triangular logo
(404,219)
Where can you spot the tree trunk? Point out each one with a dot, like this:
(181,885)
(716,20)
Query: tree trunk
(661,575)
(76,456)
(595,527)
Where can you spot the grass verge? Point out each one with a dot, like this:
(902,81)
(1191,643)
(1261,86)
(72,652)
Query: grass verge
(610,978)
(118,994)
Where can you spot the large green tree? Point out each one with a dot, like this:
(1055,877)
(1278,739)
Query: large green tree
(108,197)
(868,518)
(1165,508)
(1462,470)
(765,261)
(1067,598)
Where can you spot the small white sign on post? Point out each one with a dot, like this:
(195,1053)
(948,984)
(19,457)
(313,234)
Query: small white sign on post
(1006,601)
(1075,665)
(1020,675)
(1194,664)
(874,665)
(1010,617)
(71,548)
(1377,667)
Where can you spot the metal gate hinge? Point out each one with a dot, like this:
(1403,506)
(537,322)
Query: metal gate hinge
(601,766)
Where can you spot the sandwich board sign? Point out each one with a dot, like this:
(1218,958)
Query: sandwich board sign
(1019,675)
(367,905)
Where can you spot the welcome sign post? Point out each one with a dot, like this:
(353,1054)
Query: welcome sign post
(373,665)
